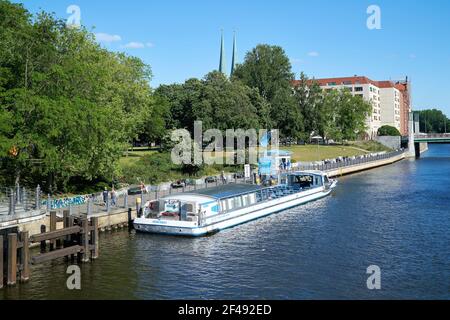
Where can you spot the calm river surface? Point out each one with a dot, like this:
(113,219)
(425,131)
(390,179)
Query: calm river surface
(396,217)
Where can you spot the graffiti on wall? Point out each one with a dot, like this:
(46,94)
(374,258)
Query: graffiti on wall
(66,202)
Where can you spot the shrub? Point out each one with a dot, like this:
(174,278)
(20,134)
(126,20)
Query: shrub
(388,131)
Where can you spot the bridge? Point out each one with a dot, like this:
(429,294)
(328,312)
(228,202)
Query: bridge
(418,141)
(432,138)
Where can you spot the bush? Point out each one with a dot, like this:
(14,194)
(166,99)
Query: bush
(388,131)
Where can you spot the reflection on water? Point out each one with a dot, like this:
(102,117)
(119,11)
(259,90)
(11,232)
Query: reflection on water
(396,217)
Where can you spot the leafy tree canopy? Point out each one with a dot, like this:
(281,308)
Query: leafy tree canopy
(68,106)
(389,131)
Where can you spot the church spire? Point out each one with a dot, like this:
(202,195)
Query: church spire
(234,59)
(222,63)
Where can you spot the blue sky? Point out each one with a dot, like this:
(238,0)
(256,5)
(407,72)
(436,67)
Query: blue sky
(180,38)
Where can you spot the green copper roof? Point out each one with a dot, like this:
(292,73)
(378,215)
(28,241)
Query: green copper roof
(234,59)
(222,63)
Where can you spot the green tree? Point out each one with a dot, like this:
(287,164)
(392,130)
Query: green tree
(433,121)
(311,102)
(389,131)
(216,101)
(71,105)
(268,69)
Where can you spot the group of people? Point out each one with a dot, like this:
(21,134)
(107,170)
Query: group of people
(285,165)
(106,196)
(113,194)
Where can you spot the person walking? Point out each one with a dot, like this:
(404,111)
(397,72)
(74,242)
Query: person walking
(105,195)
(143,188)
(113,197)
(222,176)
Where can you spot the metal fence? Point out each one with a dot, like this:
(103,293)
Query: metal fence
(19,202)
(330,165)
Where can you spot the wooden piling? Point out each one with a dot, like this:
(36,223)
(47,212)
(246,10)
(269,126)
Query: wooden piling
(71,237)
(85,240)
(43,243)
(52,228)
(25,256)
(12,259)
(1,262)
(130,218)
(66,218)
(94,237)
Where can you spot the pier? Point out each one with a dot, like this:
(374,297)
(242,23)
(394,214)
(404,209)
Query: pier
(78,239)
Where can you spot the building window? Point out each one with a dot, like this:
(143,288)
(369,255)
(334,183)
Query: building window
(331,83)
(359,89)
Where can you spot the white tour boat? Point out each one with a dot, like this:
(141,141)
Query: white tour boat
(211,210)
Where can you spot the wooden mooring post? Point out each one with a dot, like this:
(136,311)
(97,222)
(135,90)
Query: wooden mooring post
(1,262)
(52,228)
(12,259)
(77,239)
(24,256)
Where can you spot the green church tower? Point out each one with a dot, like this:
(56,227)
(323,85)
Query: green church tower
(222,63)
(234,59)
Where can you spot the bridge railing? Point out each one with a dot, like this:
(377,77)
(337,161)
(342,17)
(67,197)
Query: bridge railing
(432,136)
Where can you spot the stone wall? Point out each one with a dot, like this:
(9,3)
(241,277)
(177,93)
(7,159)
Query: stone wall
(390,142)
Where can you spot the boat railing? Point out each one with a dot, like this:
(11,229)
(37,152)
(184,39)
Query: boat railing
(263,195)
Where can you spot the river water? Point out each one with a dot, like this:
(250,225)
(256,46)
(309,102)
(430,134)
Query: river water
(396,217)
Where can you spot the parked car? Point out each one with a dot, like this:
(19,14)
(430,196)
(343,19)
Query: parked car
(239,175)
(178,184)
(210,179)
(134,190)
(189,182)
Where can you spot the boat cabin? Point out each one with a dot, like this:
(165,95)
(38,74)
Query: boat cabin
(228,198)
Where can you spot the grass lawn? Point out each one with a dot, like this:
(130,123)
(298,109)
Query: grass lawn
(132,156)
(371,146)
(317,153)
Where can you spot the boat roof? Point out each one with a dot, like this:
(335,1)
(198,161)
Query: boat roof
(228,190)
(314,172)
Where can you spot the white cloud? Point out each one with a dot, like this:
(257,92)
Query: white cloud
(313,54)
(296,60)
(134,45)
(104,37)
(138,45)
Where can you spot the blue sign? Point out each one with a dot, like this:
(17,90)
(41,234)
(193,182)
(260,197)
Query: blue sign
(265,166)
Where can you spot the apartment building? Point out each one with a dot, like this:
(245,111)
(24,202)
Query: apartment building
(390,104)
(390,100)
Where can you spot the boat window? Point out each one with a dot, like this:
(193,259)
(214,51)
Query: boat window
(238,202)
(325,178)
(318,181)
(252,198)
(305,181)
(245,201)
(230,204)
(189,207)
(152,210)
(224,205)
